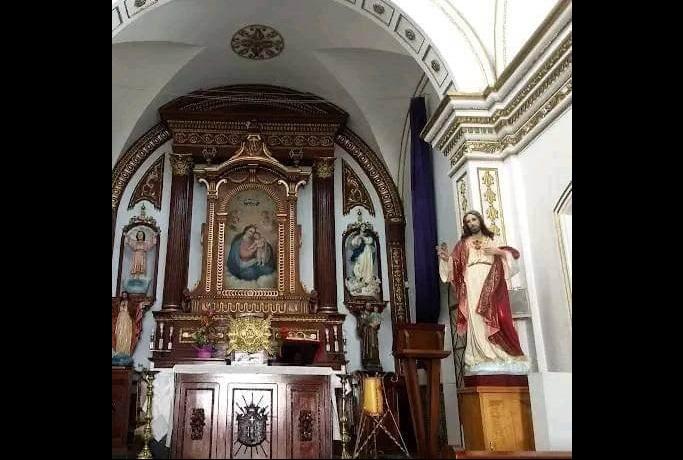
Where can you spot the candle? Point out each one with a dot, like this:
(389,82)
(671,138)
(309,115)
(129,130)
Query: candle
(372,396)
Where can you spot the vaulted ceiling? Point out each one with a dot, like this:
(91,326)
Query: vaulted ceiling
(329,50)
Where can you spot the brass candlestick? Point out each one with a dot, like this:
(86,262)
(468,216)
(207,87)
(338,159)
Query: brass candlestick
(343,420)
(148,378)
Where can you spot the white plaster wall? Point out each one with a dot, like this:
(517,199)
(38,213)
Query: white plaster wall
(480,16)
(551,410)
(522,18)
(447,230)
(142,353)
(544,169)
(305,219)
(194,274)
(541,173)
(407,198)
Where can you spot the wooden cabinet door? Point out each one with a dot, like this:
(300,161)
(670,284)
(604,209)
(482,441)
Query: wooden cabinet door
(197,420)
(254,419)
(120,408)
(507,421)
(498,426)
(309,418)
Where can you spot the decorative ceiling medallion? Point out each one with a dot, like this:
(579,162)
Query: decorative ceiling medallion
(257,42)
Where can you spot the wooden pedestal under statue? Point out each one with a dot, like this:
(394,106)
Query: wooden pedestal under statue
(496,418)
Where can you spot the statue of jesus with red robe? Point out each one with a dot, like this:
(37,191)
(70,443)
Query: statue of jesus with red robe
(478,269)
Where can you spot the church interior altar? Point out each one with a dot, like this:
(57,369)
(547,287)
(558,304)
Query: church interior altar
(366,253)
(253,233)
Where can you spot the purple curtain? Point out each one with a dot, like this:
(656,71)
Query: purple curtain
(427,303)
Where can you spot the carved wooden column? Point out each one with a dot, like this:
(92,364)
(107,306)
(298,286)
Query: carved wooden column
(325,268)
(179,222)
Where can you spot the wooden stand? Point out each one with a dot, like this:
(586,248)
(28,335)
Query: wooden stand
(496,418)
(422,342)
(123,409)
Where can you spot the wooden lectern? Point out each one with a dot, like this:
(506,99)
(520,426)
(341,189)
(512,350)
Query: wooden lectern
(422,342)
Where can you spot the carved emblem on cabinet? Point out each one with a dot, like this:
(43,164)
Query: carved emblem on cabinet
(197,422)
(305,426)
(251,425)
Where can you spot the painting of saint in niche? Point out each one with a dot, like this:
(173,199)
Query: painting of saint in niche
(139,259)
(361,263)
(251,242)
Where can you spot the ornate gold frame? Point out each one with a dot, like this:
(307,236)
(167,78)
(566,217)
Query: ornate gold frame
(252,167)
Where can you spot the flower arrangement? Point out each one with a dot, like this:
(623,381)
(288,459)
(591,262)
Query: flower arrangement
(205,336)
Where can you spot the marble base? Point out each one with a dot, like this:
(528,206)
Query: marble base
(499,368)
(240,358)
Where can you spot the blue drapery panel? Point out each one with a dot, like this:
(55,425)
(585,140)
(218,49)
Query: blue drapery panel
(427,304)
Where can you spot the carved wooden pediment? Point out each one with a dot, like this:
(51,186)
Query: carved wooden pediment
(217,121)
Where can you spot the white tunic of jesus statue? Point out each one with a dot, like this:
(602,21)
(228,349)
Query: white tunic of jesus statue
(481,355)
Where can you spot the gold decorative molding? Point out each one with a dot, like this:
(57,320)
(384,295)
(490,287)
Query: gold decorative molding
(299,334)
(129,162)
(293,247)
(209,252)
(151,185)
(281,253)
(249,335)
(461,186)
(514,139)
(255,305)
(284,318)
(221,257)
(353,191)
(489,193)
(554,20)
(509,115)
(324,168)
(397,263)
(181,164)
(500,121)
(376,172)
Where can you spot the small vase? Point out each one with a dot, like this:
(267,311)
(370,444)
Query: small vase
(205,352)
